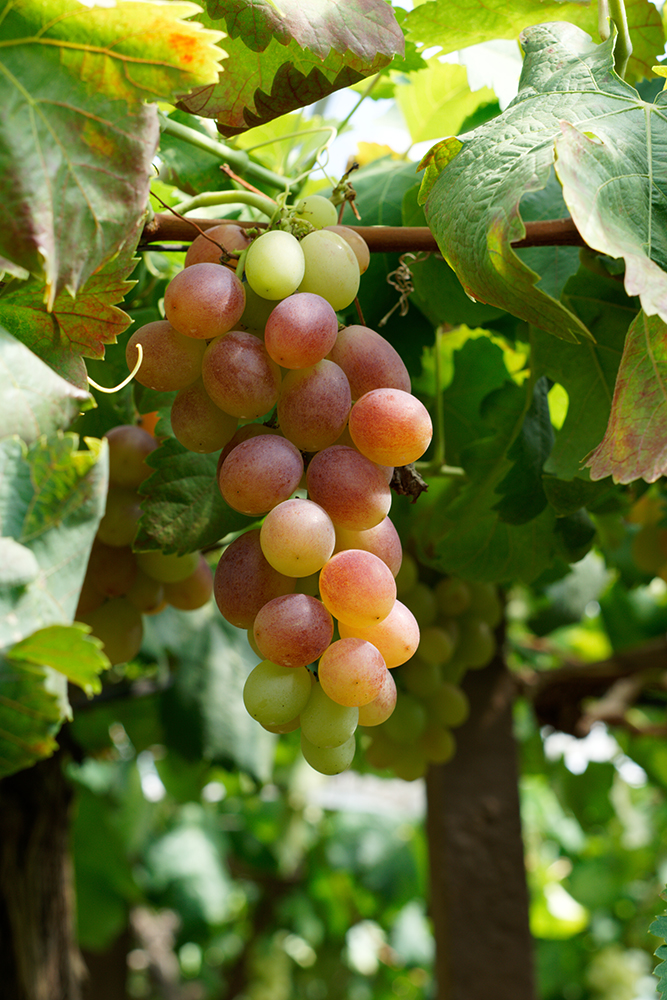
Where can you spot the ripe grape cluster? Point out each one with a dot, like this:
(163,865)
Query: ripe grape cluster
(457,619)
(122,585)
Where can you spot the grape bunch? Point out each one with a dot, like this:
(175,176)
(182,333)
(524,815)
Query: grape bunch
(121,585)
(457,619)
(310,421)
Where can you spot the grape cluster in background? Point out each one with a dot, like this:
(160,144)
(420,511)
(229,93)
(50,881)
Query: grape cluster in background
(311,419)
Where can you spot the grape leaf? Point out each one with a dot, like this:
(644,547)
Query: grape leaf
(437,100)
(659,929)
(69,649)
(283,57)
(30,715)
(35,400)
(635,442)
(52,498)
(183,509)
(76,138)
(618,203)
(586,371)
(455,24)
(73,327)
(473,206)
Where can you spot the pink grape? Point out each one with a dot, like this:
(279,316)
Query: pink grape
(369,361)
(242,434)
(352,490)
(198,423)
(297,537)
(383,540)
(170,360)
(260,473)
(301,330)
(204,301)
(314,405)
(228,235)
(119,625)
(194,591)
(396,637)
(121,516)
(244,581)
(381,707)
(129,447)
(111,568)
(146,594)
(293,630)
(352,672)
(357,588)
(390,427)
(239,375)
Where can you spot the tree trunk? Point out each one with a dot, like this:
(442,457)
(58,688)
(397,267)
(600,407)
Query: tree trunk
(479,899)
(39,959)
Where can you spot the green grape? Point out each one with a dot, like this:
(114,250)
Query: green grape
(297,538)
(453,595)
(408,720)
(168,568)
(194,591)
(317,210)
(421,601)
(330,268)
(407,576)
(118,624)
(382,752)
(275,265)
(121,516)
(449,705)
(129,446)
(486,603)
(325,723)
(436,645)
(421,678)
(437,743)
(477,643)
(274,695)
(328,760)
(411,764)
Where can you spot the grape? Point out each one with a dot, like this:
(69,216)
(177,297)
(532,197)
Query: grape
(449,705)
(274,264)
(408,720)
(396,637)
(293,630)
(357,587)
(486,604)
(453,595)
(256,313)
(381,707)
(324,722)
(383,752)
(146,594)
(352,490)
(245,432)
(421,678)
(313,405)
(297,537)
(328,760)
(129,446)
(411,764)
(239,375)
(274,695)
(382,540)
(421,601)
(90,597)
(198,423)
(369,361)
(438,744)
(358,244)
(331,268)
(253,645)
(301,330)
(111,568)
(260,473)
(407,576)
(204,301)
(284,727)
(244,581)
(118,624)
(228,235)
(477,643)
(192,592)
(390,427)
(437,645)
(352,672)
(167,568)
(121,516)
(647,549)
(317,210)
(170,360)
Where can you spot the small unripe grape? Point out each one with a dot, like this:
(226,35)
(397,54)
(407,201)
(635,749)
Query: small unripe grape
(194,591)
(204,301)
(453,595)
(324,722)
(421,678)
(330,268)
(358,244)
(118,624)
(274,695)
(407,576)
(383,752)
(411,764)
(129,447)
(408,720)
(121,517)
(477,643)
(485,603)
(328,760)
(449,705)
(421,601)
(436,645)
(275,264)
(317,210)
(437,743)
(168,568)
(146,594)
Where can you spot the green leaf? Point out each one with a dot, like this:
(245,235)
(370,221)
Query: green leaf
(473,207)
(30,715)
(183,509)
(285,56)
(455,24)
(437,100)
(522,490)
(35,400)
(74,326)
(18,565)
(615,187)
(659,928)
(69,649)
(635,442)
(51,500)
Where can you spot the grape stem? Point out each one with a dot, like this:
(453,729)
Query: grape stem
(614,11)
(254,199)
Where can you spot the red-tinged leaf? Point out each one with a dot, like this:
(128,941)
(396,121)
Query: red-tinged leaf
(635,443)
(284,56)
(75,328)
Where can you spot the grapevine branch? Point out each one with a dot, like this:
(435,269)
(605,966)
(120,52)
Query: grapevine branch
(380,239)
